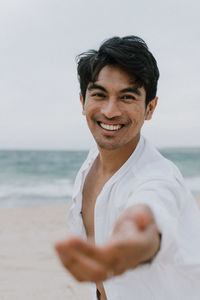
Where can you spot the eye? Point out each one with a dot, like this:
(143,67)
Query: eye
(98,95)
(128,97)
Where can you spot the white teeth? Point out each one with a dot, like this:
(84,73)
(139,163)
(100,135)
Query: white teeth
(110,127)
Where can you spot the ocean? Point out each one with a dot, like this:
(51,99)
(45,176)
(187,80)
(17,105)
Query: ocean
(30,178)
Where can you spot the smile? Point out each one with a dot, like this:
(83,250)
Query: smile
(110,127)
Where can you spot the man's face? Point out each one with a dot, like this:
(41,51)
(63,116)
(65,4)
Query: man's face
(115,109)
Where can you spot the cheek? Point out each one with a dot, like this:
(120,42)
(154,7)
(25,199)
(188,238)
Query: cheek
(91,107)
(136,112)
(137,117)
(140,113)
(92,112)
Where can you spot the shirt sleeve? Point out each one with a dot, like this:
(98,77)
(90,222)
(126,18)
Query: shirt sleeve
(165,201)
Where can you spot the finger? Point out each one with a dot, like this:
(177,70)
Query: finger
(82,247)
(75,244)
(96,262)
(141,215)
(72,242)
(141,220)
(82,267)
(90,269)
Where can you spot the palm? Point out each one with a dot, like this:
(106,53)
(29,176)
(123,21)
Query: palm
(124,250)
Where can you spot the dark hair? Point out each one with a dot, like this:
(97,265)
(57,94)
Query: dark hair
(129,53)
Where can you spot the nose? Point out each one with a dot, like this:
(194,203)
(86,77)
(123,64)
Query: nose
(111,109)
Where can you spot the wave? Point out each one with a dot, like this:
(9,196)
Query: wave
(35,193)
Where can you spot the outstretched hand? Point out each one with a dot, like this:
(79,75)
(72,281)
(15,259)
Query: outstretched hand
(135,240)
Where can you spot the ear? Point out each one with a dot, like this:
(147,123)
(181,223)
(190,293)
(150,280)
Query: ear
(82,103)
(150,108)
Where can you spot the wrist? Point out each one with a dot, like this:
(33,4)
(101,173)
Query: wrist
(155,250)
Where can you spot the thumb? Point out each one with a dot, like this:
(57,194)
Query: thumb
(142,216)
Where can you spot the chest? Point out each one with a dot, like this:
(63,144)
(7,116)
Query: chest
(92,188)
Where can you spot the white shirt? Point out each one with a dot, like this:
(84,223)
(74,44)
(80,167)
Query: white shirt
(148,178)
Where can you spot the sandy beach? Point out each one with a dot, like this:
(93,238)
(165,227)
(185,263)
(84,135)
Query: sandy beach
(29,267)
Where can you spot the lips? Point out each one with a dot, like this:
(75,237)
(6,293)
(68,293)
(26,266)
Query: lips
(110,127)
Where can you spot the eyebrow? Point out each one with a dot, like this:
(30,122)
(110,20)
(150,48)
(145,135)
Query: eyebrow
(95,86)
(132,89)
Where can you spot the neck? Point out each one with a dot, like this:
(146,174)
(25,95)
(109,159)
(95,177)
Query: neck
(110,161)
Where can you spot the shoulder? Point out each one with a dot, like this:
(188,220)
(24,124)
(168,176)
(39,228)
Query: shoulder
(152,164)
(152,174)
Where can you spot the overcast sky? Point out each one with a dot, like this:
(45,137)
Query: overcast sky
(39,101)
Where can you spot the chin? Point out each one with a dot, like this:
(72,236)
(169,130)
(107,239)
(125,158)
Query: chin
(113,144)
(108,145)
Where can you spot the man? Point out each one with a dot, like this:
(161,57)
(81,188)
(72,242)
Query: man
(140,225)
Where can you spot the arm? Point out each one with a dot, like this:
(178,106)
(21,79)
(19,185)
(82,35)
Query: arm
(135,240)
